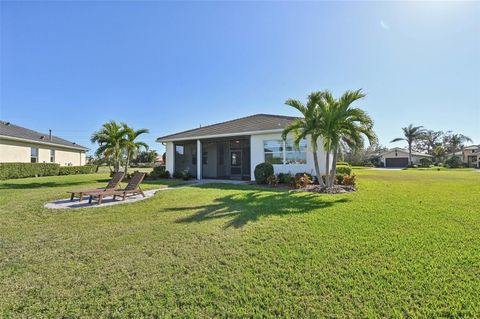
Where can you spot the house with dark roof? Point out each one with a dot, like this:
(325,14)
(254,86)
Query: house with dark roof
(232,149)
(20,144)
(398,157)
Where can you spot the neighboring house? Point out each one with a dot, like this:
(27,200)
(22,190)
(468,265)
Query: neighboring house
(398,157)
(232,149)
(471,155)
(19,144)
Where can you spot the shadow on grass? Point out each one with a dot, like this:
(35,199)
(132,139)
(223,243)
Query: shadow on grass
(10,185)
(252,203)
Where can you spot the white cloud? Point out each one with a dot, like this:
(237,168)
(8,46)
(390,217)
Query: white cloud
(384,25)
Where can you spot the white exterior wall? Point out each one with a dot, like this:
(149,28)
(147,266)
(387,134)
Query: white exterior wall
(257,156)
(19,152)
(169,157)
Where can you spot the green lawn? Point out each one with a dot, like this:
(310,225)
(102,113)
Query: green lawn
(407,244)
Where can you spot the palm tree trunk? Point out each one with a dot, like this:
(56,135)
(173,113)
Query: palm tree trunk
(126,163)
(410,153)
(327,166)
(317,169)
(334,168)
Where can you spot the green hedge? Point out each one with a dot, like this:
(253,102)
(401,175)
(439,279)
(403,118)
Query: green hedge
(73,170)
(344,170)
(262,172)
(22,170)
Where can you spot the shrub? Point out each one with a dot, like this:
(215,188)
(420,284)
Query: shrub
(22,170)
(177,174)
(344,170)
(160,172)
(454,162)
(262,172)
(425,162)
(285,178)
(350,180)
(272,180)
(343,164)
(186,174)
(301,180)
(339,178)
(73,170)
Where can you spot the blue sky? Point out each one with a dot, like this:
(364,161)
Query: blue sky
(170,66)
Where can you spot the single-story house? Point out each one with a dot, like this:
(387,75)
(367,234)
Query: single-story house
(232,149)
(22,145)
(398,157)
(471,155)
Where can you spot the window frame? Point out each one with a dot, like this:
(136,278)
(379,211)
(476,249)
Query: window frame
(283,152)
(52,155)
(34,158)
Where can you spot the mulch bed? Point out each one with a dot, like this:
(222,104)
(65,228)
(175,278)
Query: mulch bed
(336,189)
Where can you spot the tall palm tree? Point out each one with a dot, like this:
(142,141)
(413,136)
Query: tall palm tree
(131,145)
(111,140)
(346,127)
(411,135)
(311,124)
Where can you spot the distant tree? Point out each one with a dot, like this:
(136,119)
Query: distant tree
(365,156)
(411,135)
(429,140)
(455,142)
(145,157)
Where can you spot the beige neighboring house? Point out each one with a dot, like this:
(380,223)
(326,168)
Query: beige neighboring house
(398,157)
(22,145)
(470,155)
(232,149)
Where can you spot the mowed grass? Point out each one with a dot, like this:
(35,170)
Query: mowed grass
(407,244)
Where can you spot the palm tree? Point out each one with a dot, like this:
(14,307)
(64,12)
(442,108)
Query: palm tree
(311,124)
(131,145)
(346,127)
(411,135)
(111,140)
(455,142)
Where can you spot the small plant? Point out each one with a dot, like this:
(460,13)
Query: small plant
(350,180)
(273,180)
(285,178)
(339,179)
(186,174)
(160,172)
(302,180)
(262,172)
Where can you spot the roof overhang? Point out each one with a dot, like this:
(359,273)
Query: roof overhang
(6,137)
(173,139)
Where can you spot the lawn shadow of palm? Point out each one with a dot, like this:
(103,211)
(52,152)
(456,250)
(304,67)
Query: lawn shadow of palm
(252,203)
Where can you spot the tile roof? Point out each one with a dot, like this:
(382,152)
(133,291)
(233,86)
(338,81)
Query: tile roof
(248,124)
(8,129)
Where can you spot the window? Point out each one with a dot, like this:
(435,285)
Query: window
(205,157)
(284,152)
(52,156)
(34,155)
(295,155)
(179,149)
(273,150)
